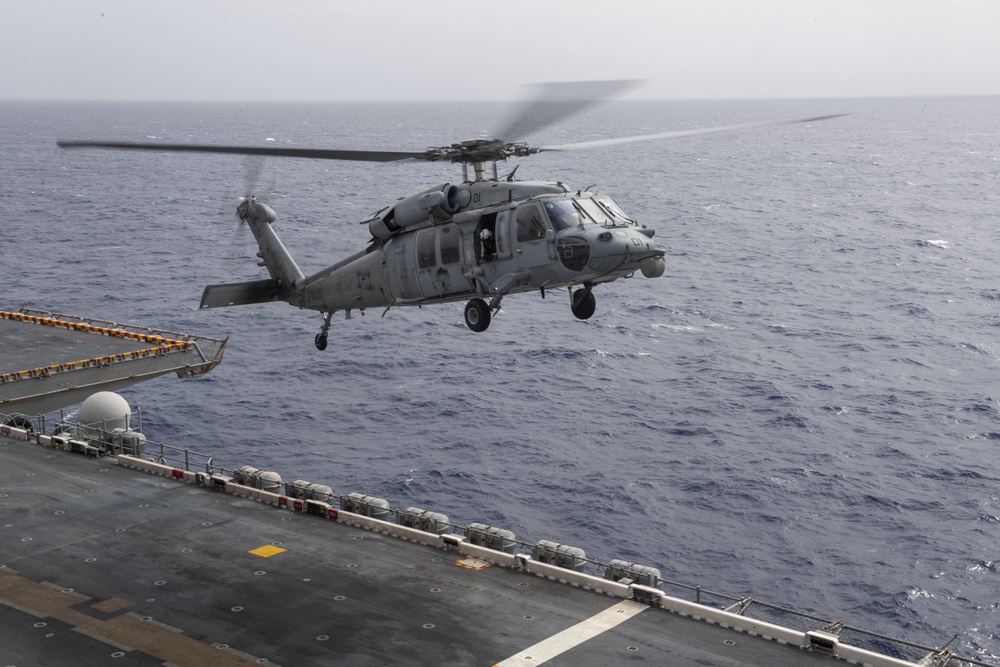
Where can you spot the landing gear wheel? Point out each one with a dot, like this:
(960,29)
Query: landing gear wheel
(323,330)
(584,303)
(477,315)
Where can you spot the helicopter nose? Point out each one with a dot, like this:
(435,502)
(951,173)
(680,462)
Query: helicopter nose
(626,250)
(609,251)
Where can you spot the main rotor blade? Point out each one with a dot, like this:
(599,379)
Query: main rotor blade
(683,133)
(556,101)
(253,167)
(267,151)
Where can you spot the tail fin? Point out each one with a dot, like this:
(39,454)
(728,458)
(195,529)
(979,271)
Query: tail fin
(285,274)
(239,294)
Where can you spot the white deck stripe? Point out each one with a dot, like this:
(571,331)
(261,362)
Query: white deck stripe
(576,635)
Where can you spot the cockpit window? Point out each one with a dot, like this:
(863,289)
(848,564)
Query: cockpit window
(562,214)
(595,211)
(615,209)
(530,226)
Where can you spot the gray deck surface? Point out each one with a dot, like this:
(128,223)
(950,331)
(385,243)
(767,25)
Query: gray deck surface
(27,345)
(104,565)
(68,362)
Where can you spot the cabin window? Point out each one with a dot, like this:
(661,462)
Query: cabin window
(562,214)
(530,226)
(450,241)
(426,256)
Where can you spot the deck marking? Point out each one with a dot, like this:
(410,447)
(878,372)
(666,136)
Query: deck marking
(112,605)
(267,551)
(470,563)
(127,632)
(574,636)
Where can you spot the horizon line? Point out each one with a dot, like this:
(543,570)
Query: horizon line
(487,101)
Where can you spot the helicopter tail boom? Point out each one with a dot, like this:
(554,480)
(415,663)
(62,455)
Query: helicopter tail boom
(285,274)
(239,294)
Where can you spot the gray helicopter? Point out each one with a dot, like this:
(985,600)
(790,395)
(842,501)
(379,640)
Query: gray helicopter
(476,241)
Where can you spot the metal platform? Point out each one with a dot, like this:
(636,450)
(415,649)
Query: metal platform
(101,564)
(50,361)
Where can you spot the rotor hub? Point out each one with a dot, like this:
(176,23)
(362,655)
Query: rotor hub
(478,151)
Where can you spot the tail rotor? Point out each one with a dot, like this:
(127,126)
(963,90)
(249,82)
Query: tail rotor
(253,169)
(245,209)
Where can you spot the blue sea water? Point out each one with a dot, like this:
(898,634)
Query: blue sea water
(804,408)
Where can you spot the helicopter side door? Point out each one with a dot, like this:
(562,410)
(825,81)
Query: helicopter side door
(532,240)
(402,278)
(439,270)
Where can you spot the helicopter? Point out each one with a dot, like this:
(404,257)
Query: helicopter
(476,241)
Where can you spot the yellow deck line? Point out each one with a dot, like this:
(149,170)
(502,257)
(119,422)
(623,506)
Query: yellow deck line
(124,630)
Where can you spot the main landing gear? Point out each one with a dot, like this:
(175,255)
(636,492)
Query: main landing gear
(478,313)
(582,302)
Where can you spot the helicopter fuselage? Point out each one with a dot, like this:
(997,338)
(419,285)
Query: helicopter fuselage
(484,239)
(476,241)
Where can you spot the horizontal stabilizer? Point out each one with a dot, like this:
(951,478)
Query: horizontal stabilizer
(239,294)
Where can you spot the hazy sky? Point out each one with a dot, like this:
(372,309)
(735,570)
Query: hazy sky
(473,49)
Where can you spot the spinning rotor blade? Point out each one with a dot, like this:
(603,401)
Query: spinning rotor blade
(266,151)
(683,133)
(556,101)
(253,167)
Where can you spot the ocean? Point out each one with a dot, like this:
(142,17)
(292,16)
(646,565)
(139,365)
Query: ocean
(803,409)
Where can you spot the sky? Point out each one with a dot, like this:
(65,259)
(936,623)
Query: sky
(402,50)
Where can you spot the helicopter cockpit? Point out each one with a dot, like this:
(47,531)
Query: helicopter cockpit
(603,210)
(580,231)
